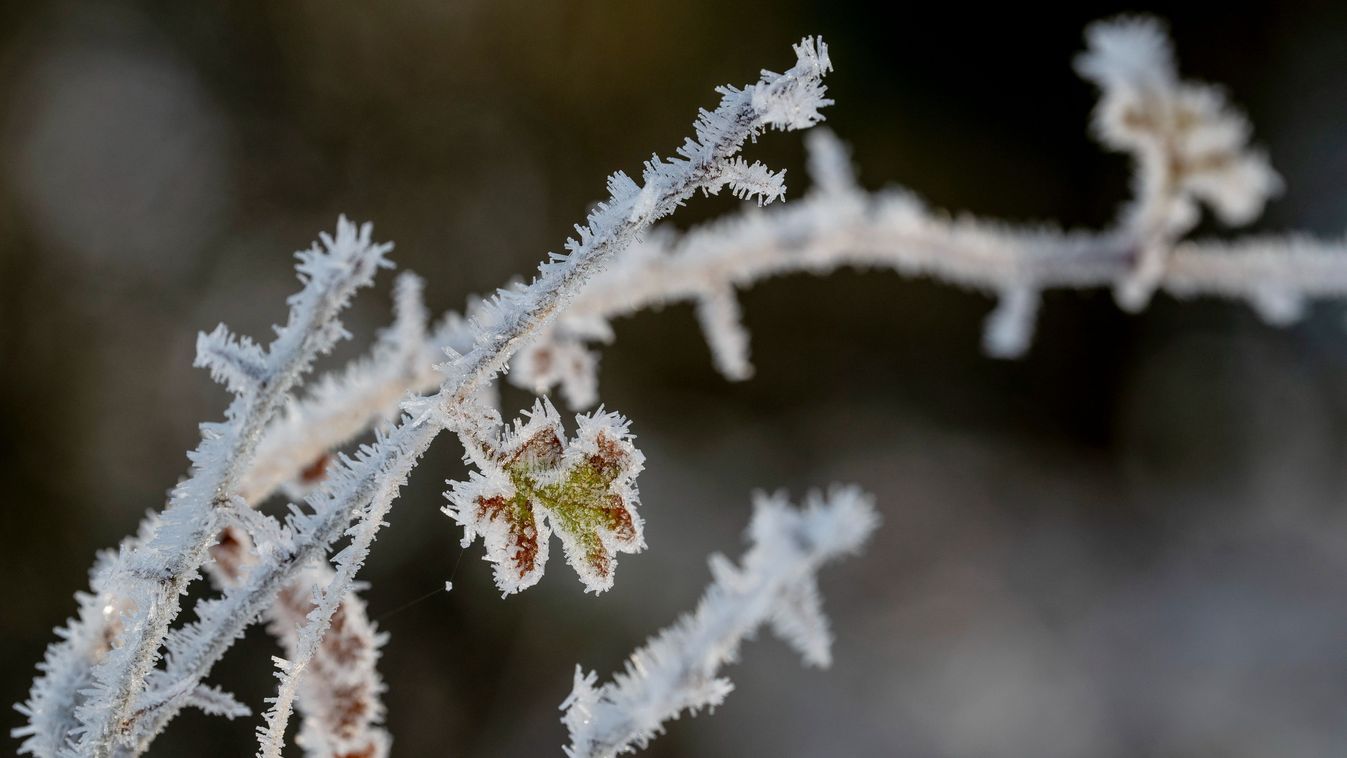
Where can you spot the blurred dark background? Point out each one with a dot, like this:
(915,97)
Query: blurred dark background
(1131,543)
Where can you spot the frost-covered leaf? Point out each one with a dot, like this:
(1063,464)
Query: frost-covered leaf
(536,481)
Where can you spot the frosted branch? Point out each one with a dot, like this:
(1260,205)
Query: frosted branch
(339,695)
(516,314)
(1188,145)
(844,226)
(144,582)
(774,584)
(342,406)
(130,700)
(327,598)
(346,404)
(364,485)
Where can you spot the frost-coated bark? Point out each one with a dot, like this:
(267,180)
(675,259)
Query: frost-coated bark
(774,584)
